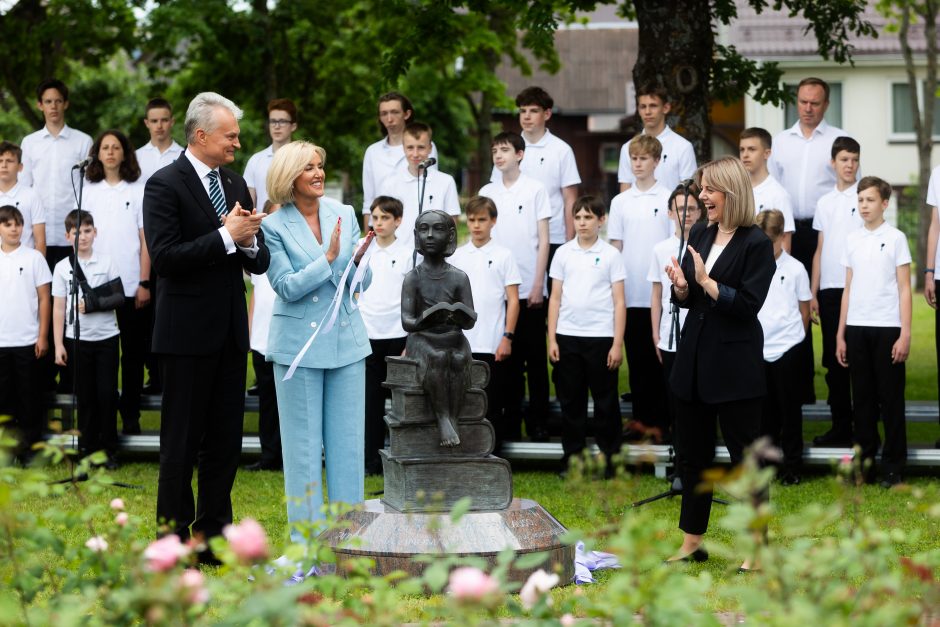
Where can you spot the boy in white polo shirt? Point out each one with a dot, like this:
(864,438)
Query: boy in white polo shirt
(586,319)
(494,283)
(380,306)
(409,186)
(784,317)
(523,228)
(97,376)
(836,216)
(754,148)
(874,337)
(282,122)
(162,149)
(25,312)
(678,155)
(639,219)
(22,197)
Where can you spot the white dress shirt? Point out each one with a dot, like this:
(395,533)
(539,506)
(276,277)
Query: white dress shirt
(150,159)
(804,166)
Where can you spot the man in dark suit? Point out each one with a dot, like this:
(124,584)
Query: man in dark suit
(201,232)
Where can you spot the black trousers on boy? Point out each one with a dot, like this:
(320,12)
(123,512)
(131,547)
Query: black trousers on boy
(96,378)
(696,434)
(134,325)
(21,391)
(782,414)
(496,396)
(376,372)
(529,363)
(877,390)
(837,377)
(582,366)
(269,420)
(803,246)
(647,386)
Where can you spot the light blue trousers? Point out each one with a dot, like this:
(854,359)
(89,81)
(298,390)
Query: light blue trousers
(322,413)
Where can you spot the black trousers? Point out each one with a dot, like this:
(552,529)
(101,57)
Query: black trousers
(803,247)
(269,422)
(495,396)
(133,324)
(647,387)
(582,366)
(877,389)
(837,377)
(21,390)
(696,435)
(528,363)
(200,422)
(936,335)
(669,358)
(96,373)
(376,372)
(49,369)
(782,414)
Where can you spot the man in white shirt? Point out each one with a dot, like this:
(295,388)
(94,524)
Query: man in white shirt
(282,122)
(754,148)
(678,158)
(49,155)
(162,149)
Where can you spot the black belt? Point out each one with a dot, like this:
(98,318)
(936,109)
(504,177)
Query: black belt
(804,222)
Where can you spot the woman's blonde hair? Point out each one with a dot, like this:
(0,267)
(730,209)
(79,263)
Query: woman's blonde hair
(728,175)
(770,222)
(288,163)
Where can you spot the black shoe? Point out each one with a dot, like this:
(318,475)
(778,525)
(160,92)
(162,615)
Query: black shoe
(131,428)
(698,555)
(937,444)
(890,480)
(833,439)
(790,478)
(747,571)
(263,465)
(208,558)
(152,389)
(253,390)
(539,434)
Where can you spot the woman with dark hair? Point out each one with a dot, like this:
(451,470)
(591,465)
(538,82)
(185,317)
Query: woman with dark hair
(718,375)
(115,199)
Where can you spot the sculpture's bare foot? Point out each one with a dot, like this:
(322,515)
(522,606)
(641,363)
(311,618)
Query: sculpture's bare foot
(449,437)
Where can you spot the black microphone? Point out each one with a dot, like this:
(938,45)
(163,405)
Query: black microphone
(427,163)
(84,163)
(686,183)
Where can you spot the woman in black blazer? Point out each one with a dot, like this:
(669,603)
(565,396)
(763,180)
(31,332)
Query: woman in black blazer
(718,371)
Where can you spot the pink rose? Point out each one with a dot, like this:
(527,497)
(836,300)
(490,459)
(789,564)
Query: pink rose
(122,518)
(247,540)
(193,583)
(567,620)
(117,504)
(537,585)
(471,584)
(846,460)
(163,554)
(97,544)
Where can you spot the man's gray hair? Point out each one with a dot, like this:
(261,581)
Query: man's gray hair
(201,110)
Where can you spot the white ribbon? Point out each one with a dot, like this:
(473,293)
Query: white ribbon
(335,304)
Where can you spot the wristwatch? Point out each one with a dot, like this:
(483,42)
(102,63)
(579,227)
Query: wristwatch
(508,335)
(145,284)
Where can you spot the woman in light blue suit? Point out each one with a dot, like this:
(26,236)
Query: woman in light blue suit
(312,239)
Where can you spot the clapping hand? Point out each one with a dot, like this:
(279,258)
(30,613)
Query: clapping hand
(242,225)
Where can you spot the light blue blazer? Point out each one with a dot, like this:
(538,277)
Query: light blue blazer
(305,285)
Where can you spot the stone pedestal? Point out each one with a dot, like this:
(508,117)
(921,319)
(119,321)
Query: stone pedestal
(393,538)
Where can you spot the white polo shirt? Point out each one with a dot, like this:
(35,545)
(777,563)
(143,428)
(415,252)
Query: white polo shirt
(256,174)
(98,270)
(780,315)
(639,220)
(261,312)
(770,194)
(836,217)
(519,209)
(676,163)
(491,270)
(440,192)
(380,304)
(874,257)
(151,159)
(379,162)
(663,252)
(933,199)
(27,201)
(551,161)
(47,168)
(587,301)
(804,166)
(118,212)
(22,272)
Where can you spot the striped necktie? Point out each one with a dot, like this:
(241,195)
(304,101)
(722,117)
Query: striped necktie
(215,194)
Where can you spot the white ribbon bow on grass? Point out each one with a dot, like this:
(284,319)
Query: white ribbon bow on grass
(333,311)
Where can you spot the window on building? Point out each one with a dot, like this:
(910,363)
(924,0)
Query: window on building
(833,113)
(902,118)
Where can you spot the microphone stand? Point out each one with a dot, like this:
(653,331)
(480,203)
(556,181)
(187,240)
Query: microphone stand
(675,487)
(422,186)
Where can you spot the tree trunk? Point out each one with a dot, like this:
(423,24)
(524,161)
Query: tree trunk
(675,50)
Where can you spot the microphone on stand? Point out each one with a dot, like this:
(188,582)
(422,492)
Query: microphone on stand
(84,163)
(427,163)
